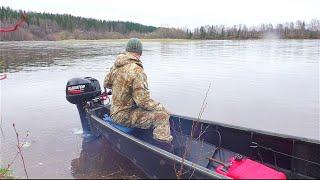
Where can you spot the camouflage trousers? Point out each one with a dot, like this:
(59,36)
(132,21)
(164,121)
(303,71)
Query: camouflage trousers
(140,118)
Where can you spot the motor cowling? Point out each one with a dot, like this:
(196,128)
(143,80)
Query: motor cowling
(79,90)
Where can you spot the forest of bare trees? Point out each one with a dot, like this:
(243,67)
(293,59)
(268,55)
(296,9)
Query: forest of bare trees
(289,30)
(45,26)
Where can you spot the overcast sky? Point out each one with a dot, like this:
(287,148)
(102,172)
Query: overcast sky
(179,13)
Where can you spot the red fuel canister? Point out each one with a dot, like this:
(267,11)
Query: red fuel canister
(249,169)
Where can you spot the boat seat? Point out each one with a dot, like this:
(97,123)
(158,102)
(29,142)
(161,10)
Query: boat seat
(143,134)
(197,151)
(125,129)
(200,151)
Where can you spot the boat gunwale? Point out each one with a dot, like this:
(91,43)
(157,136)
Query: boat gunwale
(157,150)
(215,123)
(275,134)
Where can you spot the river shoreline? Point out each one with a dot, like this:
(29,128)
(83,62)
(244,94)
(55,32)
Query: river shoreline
(160,40)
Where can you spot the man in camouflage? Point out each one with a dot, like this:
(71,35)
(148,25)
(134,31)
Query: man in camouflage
(131,103)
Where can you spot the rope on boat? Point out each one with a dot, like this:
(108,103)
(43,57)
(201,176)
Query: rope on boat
(256,145)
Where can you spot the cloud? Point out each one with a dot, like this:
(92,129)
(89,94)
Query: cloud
(179,13)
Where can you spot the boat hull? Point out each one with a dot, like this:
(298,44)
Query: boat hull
(297,158)
(153,161)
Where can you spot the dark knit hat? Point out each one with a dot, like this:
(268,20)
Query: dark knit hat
(134,45)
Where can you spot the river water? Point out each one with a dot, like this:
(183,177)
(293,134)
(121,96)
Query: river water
(270,85)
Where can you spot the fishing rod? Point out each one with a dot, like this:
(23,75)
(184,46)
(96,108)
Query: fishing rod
(23,18)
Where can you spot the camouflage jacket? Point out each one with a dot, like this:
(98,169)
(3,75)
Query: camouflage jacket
(129,86)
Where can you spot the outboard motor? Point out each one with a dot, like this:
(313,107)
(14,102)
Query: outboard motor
(78,92)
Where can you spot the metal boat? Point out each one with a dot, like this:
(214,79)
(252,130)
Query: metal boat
(201,147)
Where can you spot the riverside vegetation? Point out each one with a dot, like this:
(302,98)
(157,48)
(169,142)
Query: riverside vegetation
(5,174)
(46,26)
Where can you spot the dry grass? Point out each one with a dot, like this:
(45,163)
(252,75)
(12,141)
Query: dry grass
(5,172)
(181,171)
